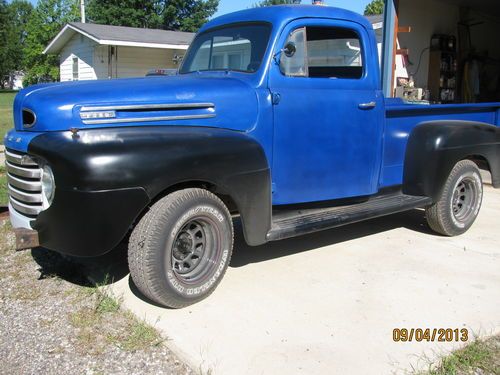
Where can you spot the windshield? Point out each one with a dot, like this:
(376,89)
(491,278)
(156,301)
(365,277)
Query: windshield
(236,47)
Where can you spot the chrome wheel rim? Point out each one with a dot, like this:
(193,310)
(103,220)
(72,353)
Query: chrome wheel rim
(465,199)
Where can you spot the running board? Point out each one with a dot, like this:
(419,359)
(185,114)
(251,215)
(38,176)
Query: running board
(291,223)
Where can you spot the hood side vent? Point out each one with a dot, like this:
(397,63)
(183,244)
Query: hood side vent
(92,115)
(29,118)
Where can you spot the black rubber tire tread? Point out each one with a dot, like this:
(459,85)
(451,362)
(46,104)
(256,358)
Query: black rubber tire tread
(145,243)
(438,215)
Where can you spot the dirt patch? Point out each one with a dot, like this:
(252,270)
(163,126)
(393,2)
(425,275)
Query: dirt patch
(55,321)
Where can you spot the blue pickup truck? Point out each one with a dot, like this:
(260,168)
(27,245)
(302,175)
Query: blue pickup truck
(276,115)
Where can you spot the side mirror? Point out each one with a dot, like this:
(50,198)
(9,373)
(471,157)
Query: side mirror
(289,49)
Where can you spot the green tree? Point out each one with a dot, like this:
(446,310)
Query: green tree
(188,15)
(183,15)
(5,48)
(20,12)
(13,18)
(374,8)
(266,3)
(45,22)
(132,13)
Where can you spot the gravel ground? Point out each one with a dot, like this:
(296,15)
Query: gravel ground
(53,321)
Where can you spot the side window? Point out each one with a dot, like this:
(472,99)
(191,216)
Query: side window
(296,64)
(334,53)
(323,52)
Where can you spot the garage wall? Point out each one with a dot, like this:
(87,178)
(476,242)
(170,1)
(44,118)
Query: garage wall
(426,17)
(101,62)
(484,36)
(484,40)
(83,49)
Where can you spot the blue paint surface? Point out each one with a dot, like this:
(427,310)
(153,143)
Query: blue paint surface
(320,145)
(402,118)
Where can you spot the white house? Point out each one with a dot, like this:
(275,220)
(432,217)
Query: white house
(377,22)
(91,51)
(15,80)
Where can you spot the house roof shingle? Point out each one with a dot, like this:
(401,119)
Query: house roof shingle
(134,34)
(120,35)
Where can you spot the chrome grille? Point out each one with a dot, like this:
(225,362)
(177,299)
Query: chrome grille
(24,183)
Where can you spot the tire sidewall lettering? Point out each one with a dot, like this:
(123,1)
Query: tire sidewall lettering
(194,212)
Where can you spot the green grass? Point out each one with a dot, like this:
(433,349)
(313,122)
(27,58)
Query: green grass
(3,187)
(104,322)
(6,119)
(479,357)
(138,335)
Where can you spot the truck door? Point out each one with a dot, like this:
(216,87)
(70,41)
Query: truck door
(328,112)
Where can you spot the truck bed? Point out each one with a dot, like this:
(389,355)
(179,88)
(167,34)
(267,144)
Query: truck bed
(481,112)
(402,117)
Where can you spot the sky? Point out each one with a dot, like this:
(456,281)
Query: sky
(228,6)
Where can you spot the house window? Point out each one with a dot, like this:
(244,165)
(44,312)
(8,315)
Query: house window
(234,61)
(75,68)
(217,62)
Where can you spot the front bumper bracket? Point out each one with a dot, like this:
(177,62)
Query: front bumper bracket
(26,238)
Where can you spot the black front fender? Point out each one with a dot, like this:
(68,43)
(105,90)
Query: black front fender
(158,157)
(435,147)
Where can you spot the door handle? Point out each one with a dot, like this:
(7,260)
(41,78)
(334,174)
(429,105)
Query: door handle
(369,105)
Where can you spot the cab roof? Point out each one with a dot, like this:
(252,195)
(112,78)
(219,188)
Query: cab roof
(280,15)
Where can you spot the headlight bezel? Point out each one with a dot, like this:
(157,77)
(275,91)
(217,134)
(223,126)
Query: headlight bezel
(48,185)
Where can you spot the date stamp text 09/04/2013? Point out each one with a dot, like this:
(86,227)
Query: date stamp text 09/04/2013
(430,334)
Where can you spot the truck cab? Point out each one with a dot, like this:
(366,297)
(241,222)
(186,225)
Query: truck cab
(276,116)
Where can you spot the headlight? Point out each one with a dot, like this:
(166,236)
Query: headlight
(48,186)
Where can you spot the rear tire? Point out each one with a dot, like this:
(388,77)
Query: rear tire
(180,250)
(458,206)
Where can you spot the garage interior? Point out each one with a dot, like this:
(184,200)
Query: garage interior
(449,50)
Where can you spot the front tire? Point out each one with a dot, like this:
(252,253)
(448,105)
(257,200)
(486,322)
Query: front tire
(458,206)
(180,250)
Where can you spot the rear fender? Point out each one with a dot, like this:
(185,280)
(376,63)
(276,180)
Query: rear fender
(435,147)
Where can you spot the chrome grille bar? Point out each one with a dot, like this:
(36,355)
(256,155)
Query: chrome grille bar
(24,183)
(25,208)
(23,196)
(20,159)
(23,172)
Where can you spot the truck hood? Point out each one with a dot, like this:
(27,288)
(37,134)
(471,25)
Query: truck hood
(191,100)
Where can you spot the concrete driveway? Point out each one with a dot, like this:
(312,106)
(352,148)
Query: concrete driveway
(328,303)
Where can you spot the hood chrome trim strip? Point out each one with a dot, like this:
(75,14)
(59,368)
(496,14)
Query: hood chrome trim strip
(147,119)
(146,106)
